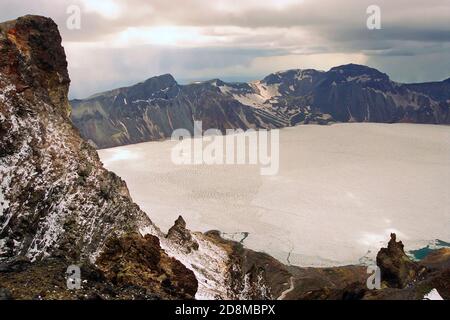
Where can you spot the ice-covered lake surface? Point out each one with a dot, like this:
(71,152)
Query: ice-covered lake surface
(340,191)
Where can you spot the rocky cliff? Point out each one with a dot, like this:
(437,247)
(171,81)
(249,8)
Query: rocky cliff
(56,194)
(151,110)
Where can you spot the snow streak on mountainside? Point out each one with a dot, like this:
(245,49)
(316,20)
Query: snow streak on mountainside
(151,110)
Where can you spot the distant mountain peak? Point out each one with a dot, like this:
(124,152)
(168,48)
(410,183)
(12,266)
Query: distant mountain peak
(357,69)
(358,73)
(166,77)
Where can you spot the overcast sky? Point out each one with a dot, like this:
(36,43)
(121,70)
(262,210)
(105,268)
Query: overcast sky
(121,42)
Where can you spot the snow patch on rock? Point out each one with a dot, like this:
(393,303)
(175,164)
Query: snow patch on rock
(432,295)
(209,263)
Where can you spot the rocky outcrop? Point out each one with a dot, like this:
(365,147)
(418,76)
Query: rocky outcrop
(151,110)
(33,61)
(402,278)
(251,274)
(397,269)
(181,236)
(224,269)
(133,260)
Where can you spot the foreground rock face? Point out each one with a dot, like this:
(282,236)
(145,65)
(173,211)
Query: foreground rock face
(46,280)
(133,260)
(151,110)
(56,195)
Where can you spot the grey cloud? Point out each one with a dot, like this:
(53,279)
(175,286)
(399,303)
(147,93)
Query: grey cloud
(413,44)
(427,19)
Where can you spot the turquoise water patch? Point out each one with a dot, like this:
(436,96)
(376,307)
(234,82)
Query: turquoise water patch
(421,253)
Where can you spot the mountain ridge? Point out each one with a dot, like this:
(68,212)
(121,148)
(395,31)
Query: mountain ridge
(307,70)
(346,93)
(59,206)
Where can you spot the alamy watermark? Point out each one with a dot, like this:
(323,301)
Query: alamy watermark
(374,280)
(73,21)
(73,276)
(236,147)
(373,21)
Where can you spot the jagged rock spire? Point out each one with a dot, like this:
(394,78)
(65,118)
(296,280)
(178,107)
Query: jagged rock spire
(397,269)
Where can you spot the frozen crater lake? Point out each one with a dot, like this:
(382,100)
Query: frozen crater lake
(340,191)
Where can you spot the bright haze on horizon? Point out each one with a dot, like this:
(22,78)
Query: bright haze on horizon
(122,42)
